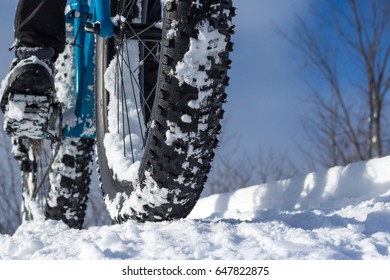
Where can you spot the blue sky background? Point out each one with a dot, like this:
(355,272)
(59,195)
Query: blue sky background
(267,90)
(266,93)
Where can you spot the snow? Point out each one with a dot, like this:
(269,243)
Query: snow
(202,51)
(340,213)
(125,144)
(209,44)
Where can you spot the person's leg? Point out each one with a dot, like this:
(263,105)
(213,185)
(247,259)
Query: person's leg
(40,37)
(40,23)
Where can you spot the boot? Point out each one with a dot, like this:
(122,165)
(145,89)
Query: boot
(27,92)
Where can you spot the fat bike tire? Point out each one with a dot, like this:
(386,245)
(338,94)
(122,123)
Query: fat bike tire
(70,178)
(55,179)
(168,176)
(71,168)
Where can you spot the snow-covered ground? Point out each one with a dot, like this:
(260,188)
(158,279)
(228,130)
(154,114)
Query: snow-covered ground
(341,213)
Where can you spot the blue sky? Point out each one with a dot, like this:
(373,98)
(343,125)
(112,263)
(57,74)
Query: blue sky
(266,92)
(7,12)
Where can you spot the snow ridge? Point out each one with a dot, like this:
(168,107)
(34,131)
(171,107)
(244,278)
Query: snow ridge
(352,221)
(334,188)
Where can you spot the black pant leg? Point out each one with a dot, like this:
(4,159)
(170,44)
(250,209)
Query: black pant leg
(41,23)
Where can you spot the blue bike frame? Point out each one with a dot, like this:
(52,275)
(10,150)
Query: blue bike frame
(96,17)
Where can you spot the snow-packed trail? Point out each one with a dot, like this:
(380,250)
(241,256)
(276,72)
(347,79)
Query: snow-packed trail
(342,213)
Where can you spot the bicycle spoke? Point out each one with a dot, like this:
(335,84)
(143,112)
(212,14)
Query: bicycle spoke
(124,65)
(134,80)
(137,36)
(128,125)
(150,52)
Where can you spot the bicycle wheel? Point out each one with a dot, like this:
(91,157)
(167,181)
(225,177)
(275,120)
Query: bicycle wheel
(55,182)
(156,143)
(33,156)
(69,182)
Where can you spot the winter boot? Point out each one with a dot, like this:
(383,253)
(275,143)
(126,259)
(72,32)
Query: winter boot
(27,93)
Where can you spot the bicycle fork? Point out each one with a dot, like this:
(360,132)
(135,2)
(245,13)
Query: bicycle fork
(82,16)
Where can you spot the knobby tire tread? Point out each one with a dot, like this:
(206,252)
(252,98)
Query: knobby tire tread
(181,167)
(70,178)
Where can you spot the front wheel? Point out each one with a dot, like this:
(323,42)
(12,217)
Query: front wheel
(156,133)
